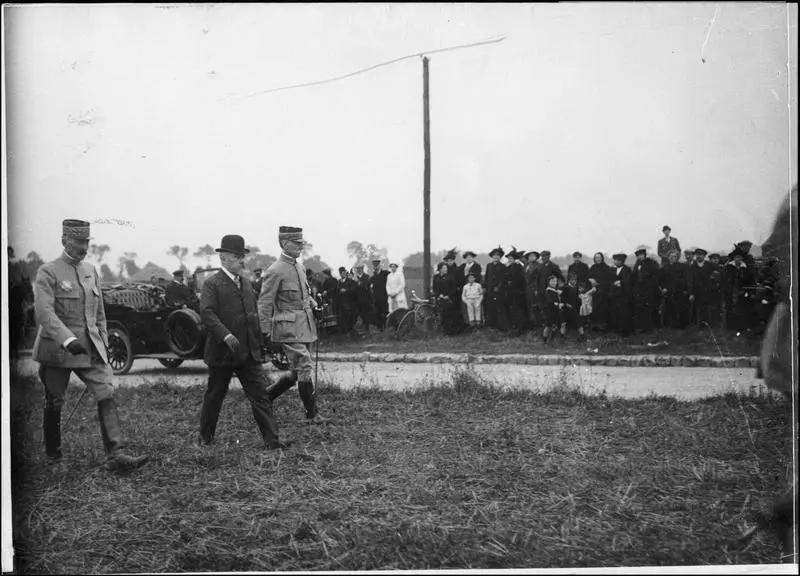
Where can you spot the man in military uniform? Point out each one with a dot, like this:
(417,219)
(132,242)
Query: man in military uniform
(644,287)
(233,345)
(178,294)
(286,310)
(666,245)
(380,299)
(72,337)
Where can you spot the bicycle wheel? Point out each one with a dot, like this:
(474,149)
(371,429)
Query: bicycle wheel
(406,324)
(393,319)
(426,316)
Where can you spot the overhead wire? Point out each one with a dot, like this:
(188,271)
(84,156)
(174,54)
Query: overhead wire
(374,66)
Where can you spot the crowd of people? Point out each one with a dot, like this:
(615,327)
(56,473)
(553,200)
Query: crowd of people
(528,291)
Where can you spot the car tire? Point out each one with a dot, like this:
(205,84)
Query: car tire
(185,333)
(170,362)
(120,351)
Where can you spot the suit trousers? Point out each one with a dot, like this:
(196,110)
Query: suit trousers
(254,383)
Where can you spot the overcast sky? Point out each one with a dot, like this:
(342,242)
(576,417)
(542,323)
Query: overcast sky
(589,127)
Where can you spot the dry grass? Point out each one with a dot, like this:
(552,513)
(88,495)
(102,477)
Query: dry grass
(692,341)
(456,476)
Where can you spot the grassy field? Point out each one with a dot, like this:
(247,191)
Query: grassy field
(692,341)
(456,476)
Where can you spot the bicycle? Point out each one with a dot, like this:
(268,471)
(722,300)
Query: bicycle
(423,312)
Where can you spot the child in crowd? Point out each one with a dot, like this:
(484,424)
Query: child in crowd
(586,295)
(472,296)
(553,308)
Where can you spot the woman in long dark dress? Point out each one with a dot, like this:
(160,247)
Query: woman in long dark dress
(447,290)
(602,275)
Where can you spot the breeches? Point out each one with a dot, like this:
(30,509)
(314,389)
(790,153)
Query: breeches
(299,359)
(97,378)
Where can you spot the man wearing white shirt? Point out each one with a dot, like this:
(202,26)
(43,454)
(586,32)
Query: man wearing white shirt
(72,337)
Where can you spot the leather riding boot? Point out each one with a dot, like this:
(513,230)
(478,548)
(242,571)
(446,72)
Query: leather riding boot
(282,385)
(111,432)
(52,432)
(309,397)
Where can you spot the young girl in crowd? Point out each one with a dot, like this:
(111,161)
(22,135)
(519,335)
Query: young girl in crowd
(472,296)
(586,295)
(553,308)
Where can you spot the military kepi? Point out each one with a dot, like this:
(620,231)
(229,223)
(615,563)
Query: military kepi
(78,229)
(234,244)
(290,233)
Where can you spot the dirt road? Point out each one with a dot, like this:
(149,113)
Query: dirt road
(684,383)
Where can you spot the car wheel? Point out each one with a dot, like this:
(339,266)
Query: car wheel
(120,351)
(185,333)
(170,362)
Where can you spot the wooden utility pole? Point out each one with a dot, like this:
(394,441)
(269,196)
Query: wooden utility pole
(426,187)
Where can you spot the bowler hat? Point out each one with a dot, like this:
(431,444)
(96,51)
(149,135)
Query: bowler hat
(620,256)
(232,243)
(78,229)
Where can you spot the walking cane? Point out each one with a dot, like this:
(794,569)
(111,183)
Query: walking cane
(75,407)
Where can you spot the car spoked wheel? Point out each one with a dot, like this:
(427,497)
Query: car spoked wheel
(120,352)
(170,362)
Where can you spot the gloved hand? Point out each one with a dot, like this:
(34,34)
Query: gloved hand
(232,342)
(76,348)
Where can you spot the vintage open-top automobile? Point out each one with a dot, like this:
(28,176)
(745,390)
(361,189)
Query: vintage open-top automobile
(141,324)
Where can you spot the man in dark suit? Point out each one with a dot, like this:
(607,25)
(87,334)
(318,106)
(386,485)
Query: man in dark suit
(179,294)
(644,291)
(380,299)
(620,296)
(674,282)
(364,299)
(257,282)
(346,302)
(72,336)
(229,312)
(578,268)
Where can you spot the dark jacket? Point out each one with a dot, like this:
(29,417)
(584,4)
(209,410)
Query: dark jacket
(475,269)
(495,284)
(545,271)
(378,284)
(644,282)
(580,270)
(226,309)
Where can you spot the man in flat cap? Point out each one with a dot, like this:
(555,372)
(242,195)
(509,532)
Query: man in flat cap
(667,244)
(645,291)
(72,337)
(233,345)
(380,299)
(579,268)
(700,286)
(621,316)
(179,294)
(674,283)
(286,310)
(532,269)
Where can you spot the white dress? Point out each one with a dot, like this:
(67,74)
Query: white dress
(396,289)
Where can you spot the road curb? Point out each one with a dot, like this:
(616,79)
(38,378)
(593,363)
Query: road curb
(646,360)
